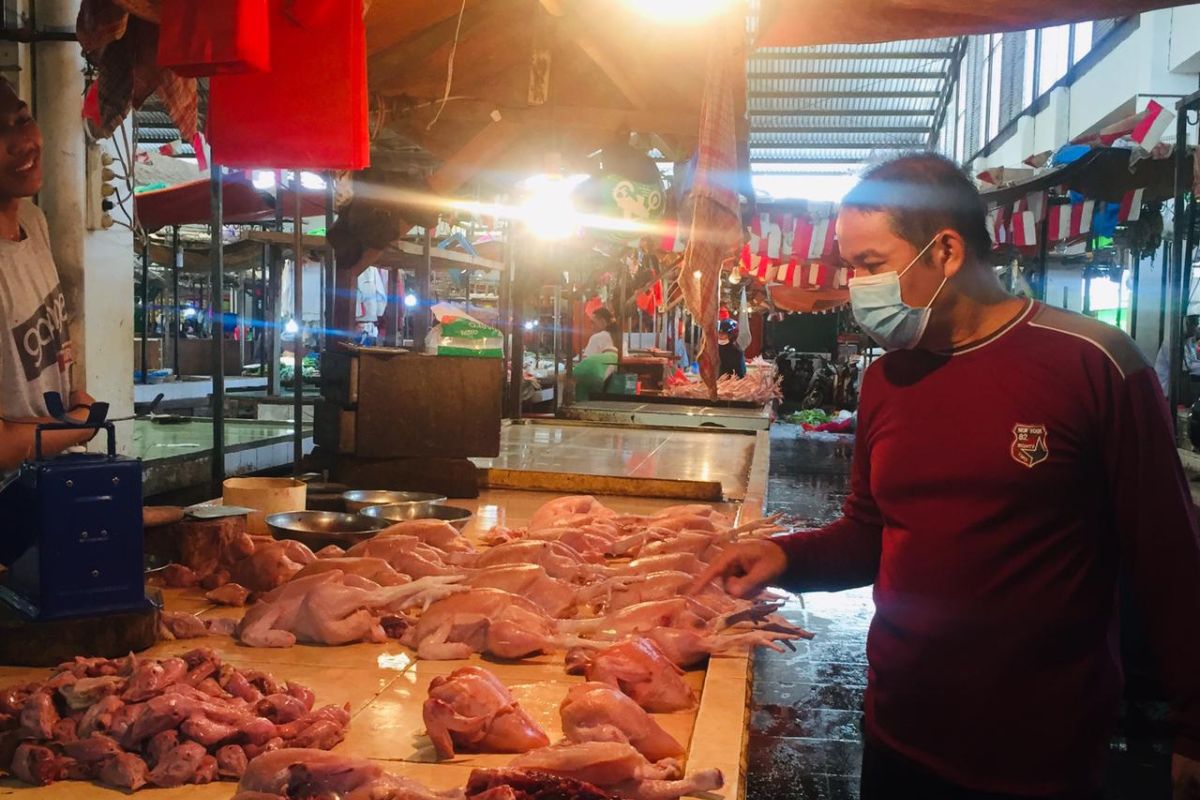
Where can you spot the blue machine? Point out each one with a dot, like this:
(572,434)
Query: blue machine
(72,529)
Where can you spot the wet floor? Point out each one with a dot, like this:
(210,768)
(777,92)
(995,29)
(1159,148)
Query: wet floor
(805,739)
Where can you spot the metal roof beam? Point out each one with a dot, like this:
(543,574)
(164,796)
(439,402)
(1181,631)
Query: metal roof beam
(842,112)
(856,95)
(843,55)
(868,146)
(800,160)
(845,129)
(806,160)
(850,76)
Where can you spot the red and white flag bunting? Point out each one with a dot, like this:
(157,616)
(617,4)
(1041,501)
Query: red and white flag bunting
(998,227)
(1131,206)
(1024,228)
(1070,221)
(1151,126)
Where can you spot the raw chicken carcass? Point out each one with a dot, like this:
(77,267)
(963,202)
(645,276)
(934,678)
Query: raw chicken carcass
(472,709)
(671,562)
(272,564)
(620,769)
(373,569)
(406,554)
(559,560)
(596,712)
(640,669)
(333,608)
(485,621)
(619,593)
(299,774)
(555,597)
(573,505)
(433,532)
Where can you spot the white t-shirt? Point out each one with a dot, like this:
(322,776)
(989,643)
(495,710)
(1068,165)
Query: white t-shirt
(601,342)
(35,346)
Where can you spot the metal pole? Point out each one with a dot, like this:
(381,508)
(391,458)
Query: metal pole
(145,305)
(1162,294)
(176,266)
(1133,298)
(557,344)
(274,385)
(517,326)
(331,268)
(620,315)
(217,250)
(424,295)
(1043,252)
(1178,263)
(298,342)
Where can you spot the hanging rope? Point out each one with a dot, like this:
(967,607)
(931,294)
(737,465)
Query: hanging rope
(449,67)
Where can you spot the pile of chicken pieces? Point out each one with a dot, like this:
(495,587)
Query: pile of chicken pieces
(133,722)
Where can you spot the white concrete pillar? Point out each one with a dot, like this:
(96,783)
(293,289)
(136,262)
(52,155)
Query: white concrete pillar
(96,268)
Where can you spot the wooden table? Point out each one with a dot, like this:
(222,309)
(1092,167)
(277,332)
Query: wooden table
(385,686)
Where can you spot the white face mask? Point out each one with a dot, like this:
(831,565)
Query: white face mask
(880,310)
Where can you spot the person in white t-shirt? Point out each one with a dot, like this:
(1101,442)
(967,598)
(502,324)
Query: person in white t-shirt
(603,340)
(35,346)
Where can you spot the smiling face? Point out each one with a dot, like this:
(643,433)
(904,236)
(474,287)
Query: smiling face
(20,147)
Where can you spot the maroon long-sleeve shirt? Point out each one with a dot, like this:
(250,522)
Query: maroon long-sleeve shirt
(996,493)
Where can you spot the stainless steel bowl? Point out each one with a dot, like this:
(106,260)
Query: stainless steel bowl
(458,517)
(359,499)
(319,529)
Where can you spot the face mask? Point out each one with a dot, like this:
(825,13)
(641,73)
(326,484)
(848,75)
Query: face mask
(880,309)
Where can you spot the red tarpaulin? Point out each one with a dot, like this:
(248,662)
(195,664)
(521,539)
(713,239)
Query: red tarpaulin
(191,204)
(788,23)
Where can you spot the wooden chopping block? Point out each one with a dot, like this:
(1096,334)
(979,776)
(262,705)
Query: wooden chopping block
(46,644)
(199,544)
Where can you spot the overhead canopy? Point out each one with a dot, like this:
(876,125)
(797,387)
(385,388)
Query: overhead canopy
(1102,174)
(191,204)
(791,23)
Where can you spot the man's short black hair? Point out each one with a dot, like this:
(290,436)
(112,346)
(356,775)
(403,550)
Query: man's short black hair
(924,193)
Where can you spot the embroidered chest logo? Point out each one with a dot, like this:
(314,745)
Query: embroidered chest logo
(1029,447)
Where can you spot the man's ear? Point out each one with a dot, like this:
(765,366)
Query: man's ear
(949,252)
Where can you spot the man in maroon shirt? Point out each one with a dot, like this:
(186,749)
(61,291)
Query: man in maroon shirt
(1011,461)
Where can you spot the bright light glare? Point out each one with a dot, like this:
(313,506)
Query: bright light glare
(189,312)
(263,179)
(679,12)
(410,300)
(548,211)
(292,327)
(310,180)
(697,274)
(735,277)
(817,188)
(529,325)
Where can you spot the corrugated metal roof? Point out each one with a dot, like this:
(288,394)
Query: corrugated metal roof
(838,107)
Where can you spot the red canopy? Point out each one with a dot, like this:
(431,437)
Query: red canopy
(191,204)
(787,23)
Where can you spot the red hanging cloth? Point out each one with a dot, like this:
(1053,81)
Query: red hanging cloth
(215,37)
(310,109)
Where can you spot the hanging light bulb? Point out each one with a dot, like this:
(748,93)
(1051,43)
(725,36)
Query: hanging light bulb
(735,277)
(697,274)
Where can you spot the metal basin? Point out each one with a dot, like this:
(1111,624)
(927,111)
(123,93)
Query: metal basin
(458,517)
(319,529)
(359,499)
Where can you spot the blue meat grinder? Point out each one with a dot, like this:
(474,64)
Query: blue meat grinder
(73,529)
